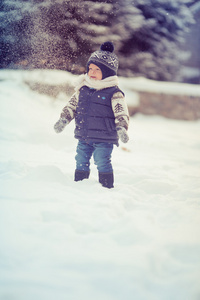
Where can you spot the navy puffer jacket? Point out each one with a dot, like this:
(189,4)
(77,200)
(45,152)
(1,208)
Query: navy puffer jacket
(95,121)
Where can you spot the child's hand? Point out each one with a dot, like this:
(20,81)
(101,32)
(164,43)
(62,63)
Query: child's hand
(122,134)
(60,125)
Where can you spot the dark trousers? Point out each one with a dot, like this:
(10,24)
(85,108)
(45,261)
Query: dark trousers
(102,158)
(101,153)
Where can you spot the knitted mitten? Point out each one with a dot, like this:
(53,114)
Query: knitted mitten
(122,134)
(60,125)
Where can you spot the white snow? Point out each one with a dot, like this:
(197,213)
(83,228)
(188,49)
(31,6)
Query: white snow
(62,239)
(142,84)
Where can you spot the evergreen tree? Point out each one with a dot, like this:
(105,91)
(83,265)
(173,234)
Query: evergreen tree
(13,32)
(154,33)
(80,26)
(64,33)
(61,34)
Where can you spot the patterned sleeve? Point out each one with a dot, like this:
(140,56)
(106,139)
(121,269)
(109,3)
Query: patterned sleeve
(120,110)
(69,110)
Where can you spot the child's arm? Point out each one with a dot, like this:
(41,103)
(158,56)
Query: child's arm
(67,114)
(121,114)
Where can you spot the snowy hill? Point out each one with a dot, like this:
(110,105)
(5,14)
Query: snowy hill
(62,239)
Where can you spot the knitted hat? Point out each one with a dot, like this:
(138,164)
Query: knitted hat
(105,59)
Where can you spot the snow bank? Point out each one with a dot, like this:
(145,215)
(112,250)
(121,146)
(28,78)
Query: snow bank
(141,84)
(66,240)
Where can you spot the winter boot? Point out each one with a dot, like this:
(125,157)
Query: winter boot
(106,179)
(80,175)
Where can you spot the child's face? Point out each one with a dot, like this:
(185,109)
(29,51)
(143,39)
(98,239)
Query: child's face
(94,72)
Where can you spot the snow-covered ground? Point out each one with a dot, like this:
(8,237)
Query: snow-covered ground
(61,239)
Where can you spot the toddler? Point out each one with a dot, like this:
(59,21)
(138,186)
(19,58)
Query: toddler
(101,115)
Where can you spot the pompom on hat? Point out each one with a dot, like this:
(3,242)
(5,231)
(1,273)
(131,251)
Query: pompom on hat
(105,59)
